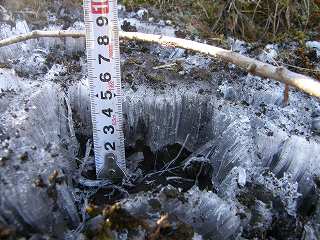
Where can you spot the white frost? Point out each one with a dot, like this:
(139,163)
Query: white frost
(315,45)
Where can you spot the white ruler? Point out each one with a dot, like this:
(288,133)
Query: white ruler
(103,56)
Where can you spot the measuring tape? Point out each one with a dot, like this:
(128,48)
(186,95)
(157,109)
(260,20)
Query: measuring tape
(103,57)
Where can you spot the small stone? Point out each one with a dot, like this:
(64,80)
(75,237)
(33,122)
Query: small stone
(270,134)
(24,157)
(134,88)
(127,27)
(54,155)
(39,182)
(201,91)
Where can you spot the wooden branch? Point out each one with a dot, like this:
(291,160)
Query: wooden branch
(255,67)
(38,34)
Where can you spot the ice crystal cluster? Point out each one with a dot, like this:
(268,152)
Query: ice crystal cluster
(263,153)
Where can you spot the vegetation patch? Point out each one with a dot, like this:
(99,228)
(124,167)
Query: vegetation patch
(265,20)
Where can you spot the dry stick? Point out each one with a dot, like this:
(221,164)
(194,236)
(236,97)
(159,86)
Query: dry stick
(286,95)
(38,34)
(255,67)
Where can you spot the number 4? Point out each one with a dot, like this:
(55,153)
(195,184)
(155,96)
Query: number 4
(107,112)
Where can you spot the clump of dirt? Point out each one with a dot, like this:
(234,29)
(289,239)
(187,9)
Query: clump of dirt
(280,224)
(120,219)
(7,232)
(115,219)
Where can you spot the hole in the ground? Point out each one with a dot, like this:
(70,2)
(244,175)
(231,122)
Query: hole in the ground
(166,166)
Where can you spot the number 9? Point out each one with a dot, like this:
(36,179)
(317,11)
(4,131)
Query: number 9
(102,21)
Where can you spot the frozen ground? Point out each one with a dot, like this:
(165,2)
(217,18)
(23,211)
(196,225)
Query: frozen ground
(214,153)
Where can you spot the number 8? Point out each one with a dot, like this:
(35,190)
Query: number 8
(103,40)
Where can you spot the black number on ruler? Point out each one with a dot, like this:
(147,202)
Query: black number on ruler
(106,95)
(108,129)
(103,40)
(108,145)
(107,112)
(105,77)
(102,21)
(103,58)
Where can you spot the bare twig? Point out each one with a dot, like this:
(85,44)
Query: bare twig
(169,65)
(286,95)
(255,10)
(264,70)
(39,34)
(178,155)
(161,172)
(302,68)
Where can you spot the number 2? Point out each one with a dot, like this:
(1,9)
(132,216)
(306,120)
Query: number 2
(112,146)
